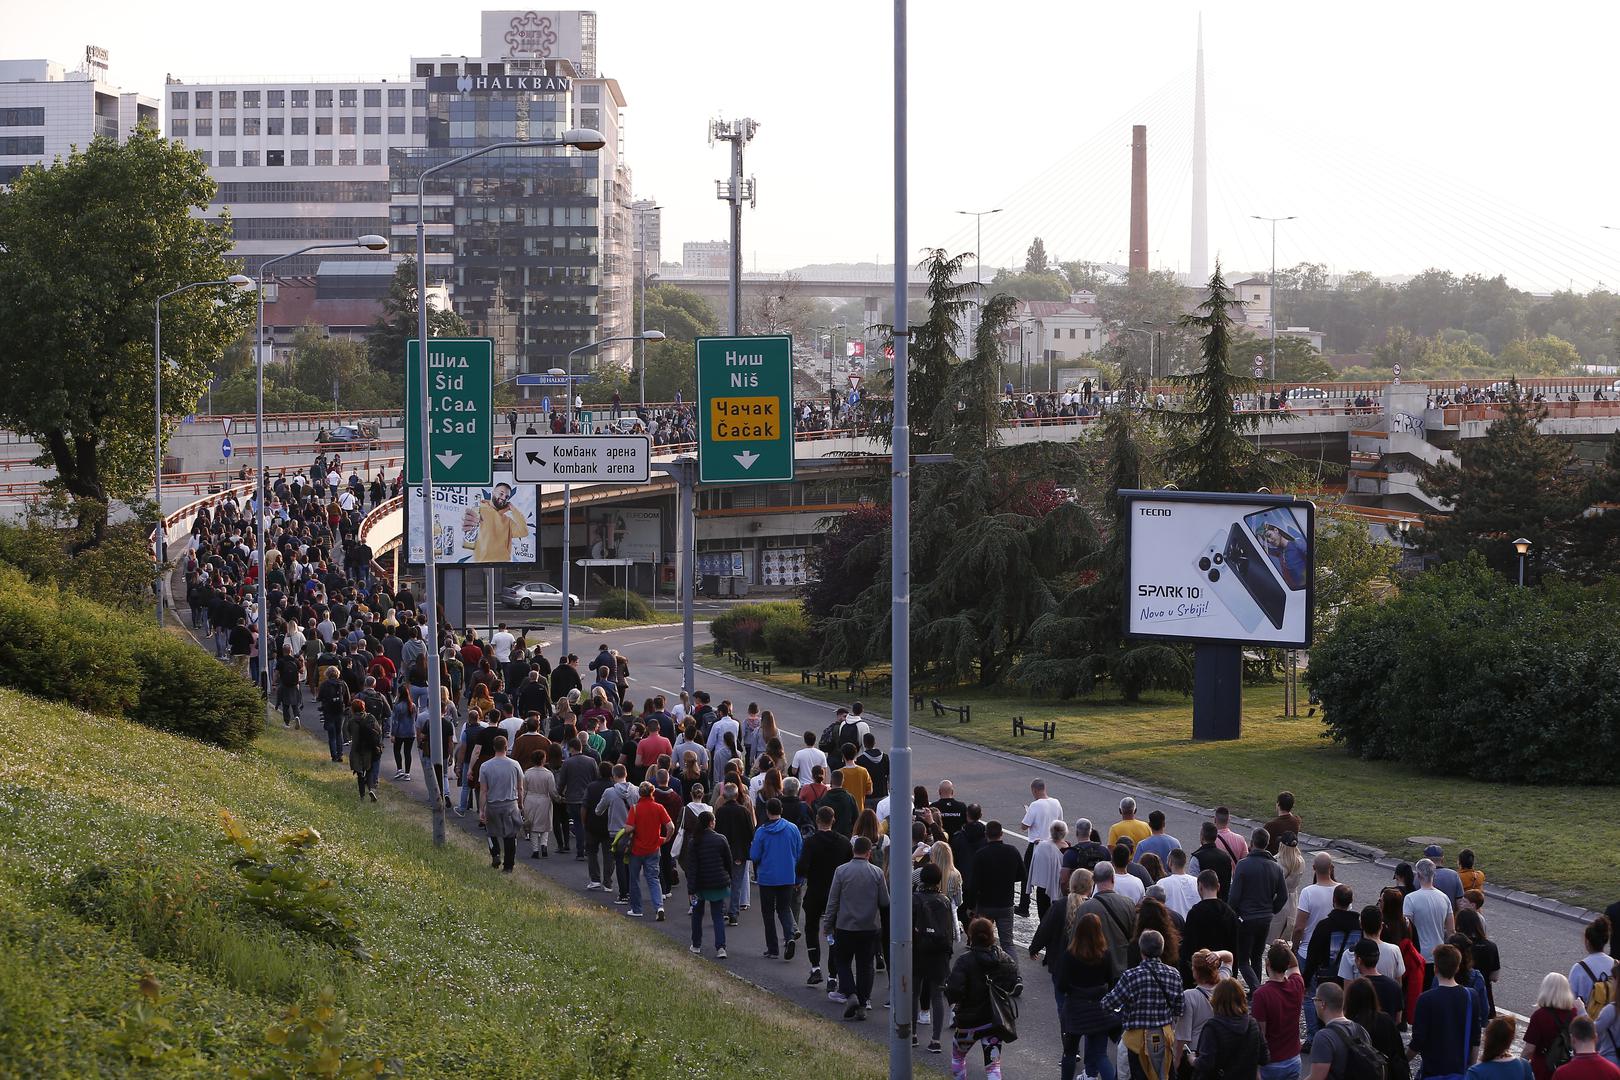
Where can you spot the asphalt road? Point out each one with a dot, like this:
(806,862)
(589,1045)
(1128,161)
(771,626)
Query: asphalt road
(1532,942)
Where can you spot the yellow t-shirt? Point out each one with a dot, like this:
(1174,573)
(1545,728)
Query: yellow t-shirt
(496,531)
(1135,828)
(858,782)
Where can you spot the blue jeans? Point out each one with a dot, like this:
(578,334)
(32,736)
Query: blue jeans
(739,888)
(1003,918)
(1281,1070)
(468,791)
(717,914)
(645,867)
(776,903)
(334,738)
(1312,1024)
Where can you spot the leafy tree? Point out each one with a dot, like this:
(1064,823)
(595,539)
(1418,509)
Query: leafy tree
(1208,449)
(86,248)
(331,368)
(681,314)
(846,562)
(1542,356)
(1152,300)
(1513,482)
(1035,258)
(1087,276)
(1352,569)
(1080,645)
(1047,285)
(671,366)
(1297,362)
(237,394)
(397,323)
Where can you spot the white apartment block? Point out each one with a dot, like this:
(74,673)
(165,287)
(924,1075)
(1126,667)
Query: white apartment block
(47,110)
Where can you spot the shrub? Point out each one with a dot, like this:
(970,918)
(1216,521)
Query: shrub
(622,604)
(743,626)
(286,886)
(62,648)
(789,639)
(1463,674)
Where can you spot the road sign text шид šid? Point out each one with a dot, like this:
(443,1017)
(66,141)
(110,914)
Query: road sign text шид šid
(459,410)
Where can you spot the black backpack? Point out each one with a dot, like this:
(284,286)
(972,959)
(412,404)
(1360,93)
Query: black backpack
(1362,1059)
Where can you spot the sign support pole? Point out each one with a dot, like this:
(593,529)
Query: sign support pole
(1217,692)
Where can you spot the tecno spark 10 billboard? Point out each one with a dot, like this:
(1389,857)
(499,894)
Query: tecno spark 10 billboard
(1217,567)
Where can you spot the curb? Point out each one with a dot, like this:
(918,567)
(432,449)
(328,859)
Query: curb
(1356,849)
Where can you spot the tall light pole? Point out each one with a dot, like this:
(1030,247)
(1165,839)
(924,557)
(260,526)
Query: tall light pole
(978,217)
(641,326)
(159,538)
(1522,546)
(568,489)
(368,242)
(580,138)
(900,988)
(1273,318)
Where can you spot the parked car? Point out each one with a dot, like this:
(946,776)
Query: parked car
(536,594)
(350,435)
(624,425)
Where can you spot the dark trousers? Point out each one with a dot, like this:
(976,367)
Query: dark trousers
(402,752)
(291,700)
(598,860)
(561,827)
(621,873)
(812,936)
(717,913)
(334,738)
(500,846)
(776,904)
(1023,888)
(853,951)
(1252,937)
(576,818)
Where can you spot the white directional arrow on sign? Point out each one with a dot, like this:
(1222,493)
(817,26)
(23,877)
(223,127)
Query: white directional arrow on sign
(746,459)
(448,459)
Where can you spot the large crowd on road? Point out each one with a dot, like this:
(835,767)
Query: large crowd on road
(1227,955)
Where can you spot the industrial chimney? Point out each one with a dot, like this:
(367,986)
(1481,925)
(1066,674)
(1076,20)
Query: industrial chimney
(1139,228)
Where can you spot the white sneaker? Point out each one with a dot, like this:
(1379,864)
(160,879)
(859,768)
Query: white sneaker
(924,1017)
(719,954)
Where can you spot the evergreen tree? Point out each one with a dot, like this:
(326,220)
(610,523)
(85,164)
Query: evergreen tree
(397,324)
(932,352)
(1513,482)
(1211,446)
(968,415)
(1080,645)
(1595,533)
(1035,258)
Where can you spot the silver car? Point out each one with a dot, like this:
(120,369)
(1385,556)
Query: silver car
(536,594)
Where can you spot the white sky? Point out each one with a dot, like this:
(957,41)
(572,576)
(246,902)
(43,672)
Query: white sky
(1467,136)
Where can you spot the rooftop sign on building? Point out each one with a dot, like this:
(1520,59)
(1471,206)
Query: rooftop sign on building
(541,35)
(498,84)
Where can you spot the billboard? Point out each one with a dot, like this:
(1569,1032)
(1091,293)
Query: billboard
(624,533)
(1218,567)
(489,525)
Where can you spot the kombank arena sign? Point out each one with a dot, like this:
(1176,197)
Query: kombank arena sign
(499,84)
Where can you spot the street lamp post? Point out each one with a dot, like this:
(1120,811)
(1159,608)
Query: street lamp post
(1273,316)
(159,538)
(583,139)
(568,489)
(1522,546)
(641,326)
(369,242)
(978,217)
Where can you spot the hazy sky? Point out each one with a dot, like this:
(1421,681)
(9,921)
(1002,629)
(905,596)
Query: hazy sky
(1467,136)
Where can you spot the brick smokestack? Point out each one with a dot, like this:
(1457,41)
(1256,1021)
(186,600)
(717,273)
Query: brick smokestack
(1139,219)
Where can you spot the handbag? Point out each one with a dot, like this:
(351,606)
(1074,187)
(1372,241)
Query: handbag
(1003,1011)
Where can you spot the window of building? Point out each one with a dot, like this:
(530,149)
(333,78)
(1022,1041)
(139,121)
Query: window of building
(373,157)
(495,69)
(227,99)
(424,71)
(1088,335)
(227,125)
(323,157)
(1071,335)
(22,117)
(300,125)
(346,157)
(235,193)
(345,125)
(323,125)
(347,98)
(323,99)
(300,99)
(373,99)
(449,69)
(373,125)
(275,157)
(205,99)
(300,157)
(590,118)
(250,125)
(207,157)
(396,98)
(227,159)
(591,94)
(418,97)
(250,99)
(203,127)
(250,157)
(396,125)
(179,101)
(418,125)
(34,144)
(276,99)
(177,130)
(278,125)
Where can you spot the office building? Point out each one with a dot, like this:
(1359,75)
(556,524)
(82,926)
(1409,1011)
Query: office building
(647,229)
(46,110)
(706,258)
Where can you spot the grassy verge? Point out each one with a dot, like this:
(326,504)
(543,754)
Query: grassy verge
(657,618)
(1376,802)
(111,867)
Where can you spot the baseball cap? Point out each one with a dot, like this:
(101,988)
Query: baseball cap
(1432,852)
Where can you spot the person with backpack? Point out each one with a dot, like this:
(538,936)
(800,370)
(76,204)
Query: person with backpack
(1230,1045)
(1148,999)
(290,686)
(1364,1005)
(614,805)
(365,735)
(333,699)
(1589,978)
(1342,1049)
(933,937)
(1547,1043)
(707,858)
(982,970)
(1587,1063)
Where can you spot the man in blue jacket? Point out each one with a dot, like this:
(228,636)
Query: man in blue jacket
(775,855)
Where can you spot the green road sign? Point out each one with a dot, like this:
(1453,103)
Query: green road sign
(745,409)
(460,416)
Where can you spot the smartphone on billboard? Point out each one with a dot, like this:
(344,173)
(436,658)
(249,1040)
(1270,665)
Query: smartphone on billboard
(1282,540)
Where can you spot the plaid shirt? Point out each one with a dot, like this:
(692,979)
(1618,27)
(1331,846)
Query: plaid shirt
(1147,995)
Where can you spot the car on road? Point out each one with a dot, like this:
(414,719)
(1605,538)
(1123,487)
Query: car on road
(536,594)
(624,425)
(349,435)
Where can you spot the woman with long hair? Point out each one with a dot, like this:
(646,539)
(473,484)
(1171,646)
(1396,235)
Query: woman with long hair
(1398,932)
(1230,1044)
(941,855)
(1361,1006)
(1293,868)
(933,920)
(1082,975)
(867,825)
(1151,914)
(1496,1058)
(1486,959)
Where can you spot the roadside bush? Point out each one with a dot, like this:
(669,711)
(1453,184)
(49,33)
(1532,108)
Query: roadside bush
(746,627)
(64,649)
(620,604)
(788,638)
(1465,675)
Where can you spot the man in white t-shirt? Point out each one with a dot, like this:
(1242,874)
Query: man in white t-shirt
(1180,887)
(501,642)
(1429,909)
(1037,822)
(1389,956)
(807,758)
(1315,901)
